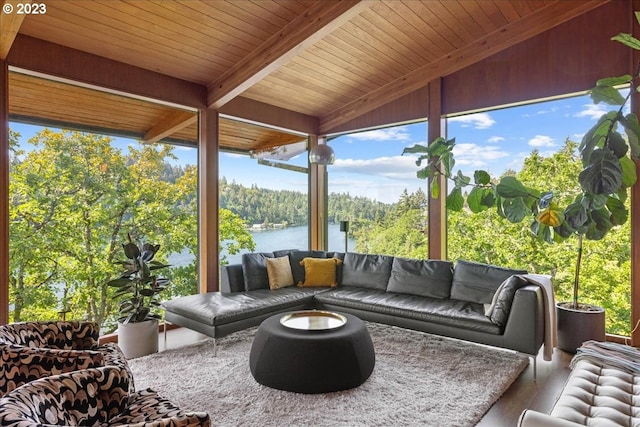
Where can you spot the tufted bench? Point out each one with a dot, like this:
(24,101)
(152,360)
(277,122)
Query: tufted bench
(596,394)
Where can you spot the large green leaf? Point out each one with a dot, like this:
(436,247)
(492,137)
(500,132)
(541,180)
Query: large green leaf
(627,40)
(599,225)
(474,200)
(460,180)
(632,129)
(614,81)
(448,162)
(575,215)
(617,144)
(481,177)
(629,175)
(435,188)
(455,201)
(415,149)
(619,213)
(595,136)
(603,175)
(510,187)
(515,209)
(607,94)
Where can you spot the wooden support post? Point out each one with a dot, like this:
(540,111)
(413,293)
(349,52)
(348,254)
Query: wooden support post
(437,208)
(4,192)
(318,236)
(635,195)
(208,170)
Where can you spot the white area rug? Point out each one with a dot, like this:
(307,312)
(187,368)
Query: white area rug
(419,380)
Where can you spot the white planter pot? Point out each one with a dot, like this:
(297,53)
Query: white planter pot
(138,339)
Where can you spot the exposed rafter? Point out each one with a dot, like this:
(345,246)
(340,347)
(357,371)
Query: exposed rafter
(9,26)
(319,20)
(170,124)
(510,35)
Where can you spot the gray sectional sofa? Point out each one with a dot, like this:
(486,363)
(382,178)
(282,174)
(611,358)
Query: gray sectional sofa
(425,295)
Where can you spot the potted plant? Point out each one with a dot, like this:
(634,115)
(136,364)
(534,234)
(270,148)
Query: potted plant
(138,288)
(609,170)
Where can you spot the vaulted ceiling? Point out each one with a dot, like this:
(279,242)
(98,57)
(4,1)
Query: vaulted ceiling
(328,61)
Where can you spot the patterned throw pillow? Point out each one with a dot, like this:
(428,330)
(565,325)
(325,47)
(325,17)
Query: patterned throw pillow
(319,272)
(279,272)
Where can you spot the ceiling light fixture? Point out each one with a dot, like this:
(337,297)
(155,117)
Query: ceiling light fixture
(322,154)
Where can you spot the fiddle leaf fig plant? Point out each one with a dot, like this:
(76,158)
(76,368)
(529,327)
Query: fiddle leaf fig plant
(609,170)
(137,286)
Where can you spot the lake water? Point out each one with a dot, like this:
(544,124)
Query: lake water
(270,240)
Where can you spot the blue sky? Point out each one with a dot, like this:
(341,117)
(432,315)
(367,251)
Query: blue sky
(370,163)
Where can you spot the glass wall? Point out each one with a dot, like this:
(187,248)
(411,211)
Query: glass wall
(263,201)
(74,199)
(374,187)
(538,144)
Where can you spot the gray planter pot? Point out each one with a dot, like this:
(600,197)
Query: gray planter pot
(577,326)
(138,339)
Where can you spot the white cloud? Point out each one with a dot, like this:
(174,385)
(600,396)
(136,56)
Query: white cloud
(592,111)
(398,133)
(495,139)
(476,120)
(394,167)
(477,156)
(541,141)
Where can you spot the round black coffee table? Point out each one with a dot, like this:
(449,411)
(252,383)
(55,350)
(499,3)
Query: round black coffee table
(319,360)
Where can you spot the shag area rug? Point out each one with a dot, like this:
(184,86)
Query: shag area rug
(419,379)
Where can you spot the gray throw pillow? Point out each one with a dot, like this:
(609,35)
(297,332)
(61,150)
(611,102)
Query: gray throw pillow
(476,282)
(254,270)
(427,278)
(298,270)
(503,299)
(366,271)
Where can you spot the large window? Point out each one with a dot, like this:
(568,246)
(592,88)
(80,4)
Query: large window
(74,198)
(538,143)
(374,187)
(263,201)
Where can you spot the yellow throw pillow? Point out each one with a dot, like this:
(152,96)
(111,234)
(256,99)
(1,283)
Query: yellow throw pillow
(279,272)
(319,272)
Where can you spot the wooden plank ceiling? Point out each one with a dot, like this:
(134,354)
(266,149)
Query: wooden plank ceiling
(332,60)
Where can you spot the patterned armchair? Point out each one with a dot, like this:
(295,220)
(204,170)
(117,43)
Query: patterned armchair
(92,397)
(32,350)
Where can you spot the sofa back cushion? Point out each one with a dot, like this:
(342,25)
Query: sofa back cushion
(254,270)
(427,278)
(366,270)
(476,282)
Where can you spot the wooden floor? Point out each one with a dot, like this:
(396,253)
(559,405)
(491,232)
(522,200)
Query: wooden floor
(523,393)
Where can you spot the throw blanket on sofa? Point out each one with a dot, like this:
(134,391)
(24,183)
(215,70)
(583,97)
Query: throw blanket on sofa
(550,337)
(615,355)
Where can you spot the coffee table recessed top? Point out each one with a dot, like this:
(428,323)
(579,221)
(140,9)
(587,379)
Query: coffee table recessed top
(301,358)
(313,320)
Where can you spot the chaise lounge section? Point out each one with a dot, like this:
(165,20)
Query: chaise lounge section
(475,302)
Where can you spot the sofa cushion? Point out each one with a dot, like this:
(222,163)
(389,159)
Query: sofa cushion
(366,270)
(427,278)
(476,282)
(500,306)
(279,272)
(298,269)
(254,270)
(319,272)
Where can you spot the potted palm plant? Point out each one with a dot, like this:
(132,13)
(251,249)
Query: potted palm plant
(609,170)
(137,289)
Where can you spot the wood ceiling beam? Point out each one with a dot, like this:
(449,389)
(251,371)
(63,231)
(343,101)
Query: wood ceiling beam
(9,26)
(170,124)
(319,20)
(507,36)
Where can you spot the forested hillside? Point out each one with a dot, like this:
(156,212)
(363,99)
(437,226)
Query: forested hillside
(263,206)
